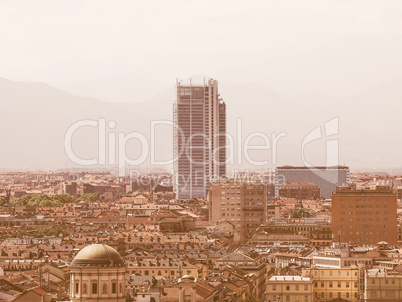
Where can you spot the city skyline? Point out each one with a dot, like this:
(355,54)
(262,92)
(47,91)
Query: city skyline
(128,174)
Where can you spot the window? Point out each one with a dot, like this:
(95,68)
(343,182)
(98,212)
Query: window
(287,287)
(114,288)
(339,284)
(77,288)
(330,283)
(322,284)
(84,288)
(94,288)
(273,287)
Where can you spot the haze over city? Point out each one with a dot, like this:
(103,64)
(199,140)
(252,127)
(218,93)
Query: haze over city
(200,151)
(299,63)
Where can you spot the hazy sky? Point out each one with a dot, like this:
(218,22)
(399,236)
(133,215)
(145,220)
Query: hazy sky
(139,47)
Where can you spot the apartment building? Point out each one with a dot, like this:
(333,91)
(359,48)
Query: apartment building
(335,283)
(364,215)
(382,286)
(289,289)
(242,202)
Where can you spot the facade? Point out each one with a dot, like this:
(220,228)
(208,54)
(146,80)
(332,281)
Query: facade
(199,116)
(335,283)
(241,202)
(381,286)
(289,288)
(364,215)
(98,274)
(327,178)
(300,191)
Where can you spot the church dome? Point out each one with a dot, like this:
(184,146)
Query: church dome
(187,278)
(98,254)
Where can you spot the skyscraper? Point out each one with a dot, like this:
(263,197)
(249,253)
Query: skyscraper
(199,116)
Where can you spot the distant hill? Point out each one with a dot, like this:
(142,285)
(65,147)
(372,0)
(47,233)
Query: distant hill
(36,116)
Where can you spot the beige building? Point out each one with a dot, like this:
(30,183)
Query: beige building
(335,283)
(289,289)
(98,274)
(382,286)
(239,201)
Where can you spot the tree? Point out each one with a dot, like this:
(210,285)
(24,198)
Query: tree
(51,231)
(64,198)
(90,197)
(298,213)
(3,201)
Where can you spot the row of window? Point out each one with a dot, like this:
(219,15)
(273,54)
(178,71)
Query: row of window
(94,288)
(373,281)
(365,233)
(364,206)
(287,298)
(330,284)
(330,273)
(288,287)
(364,213)
(364,200)
(330,295)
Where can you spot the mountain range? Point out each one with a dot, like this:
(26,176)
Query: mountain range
(35,118)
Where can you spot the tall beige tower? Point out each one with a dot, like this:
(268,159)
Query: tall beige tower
(97,274)
(199,115)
